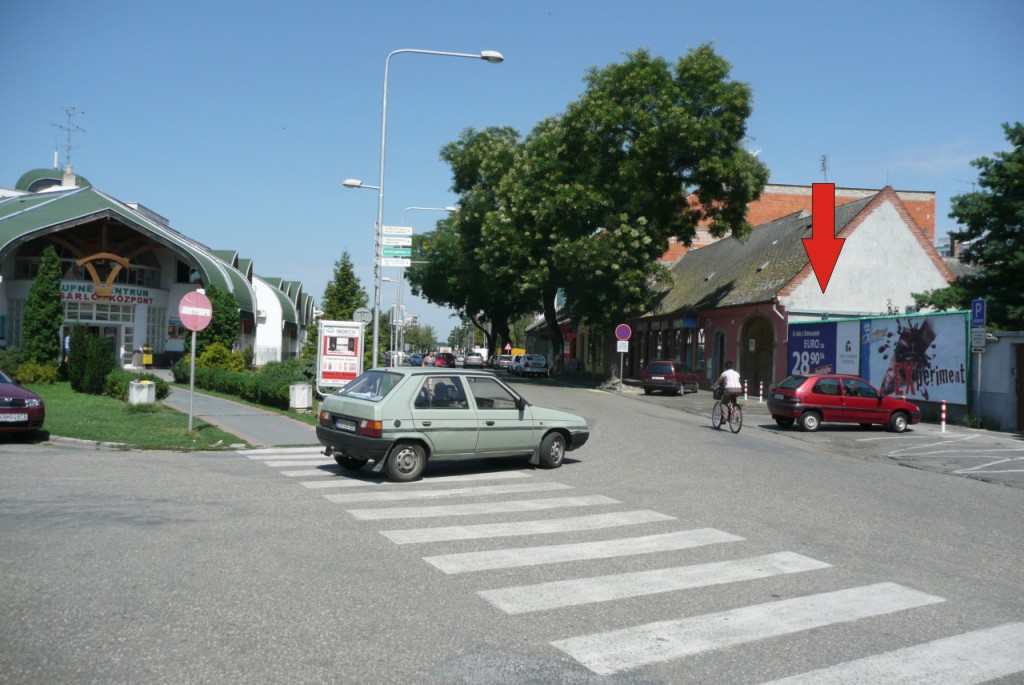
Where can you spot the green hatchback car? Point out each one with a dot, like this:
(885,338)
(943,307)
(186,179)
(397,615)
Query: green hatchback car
(399,417)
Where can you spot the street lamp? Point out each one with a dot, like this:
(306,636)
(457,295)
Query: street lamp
(486,55)
(401,272)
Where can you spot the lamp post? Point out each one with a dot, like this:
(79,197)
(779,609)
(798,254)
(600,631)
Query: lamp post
(486,55)
(401,272)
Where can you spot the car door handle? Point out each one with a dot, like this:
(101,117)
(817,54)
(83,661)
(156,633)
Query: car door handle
(489,423)
(426,423)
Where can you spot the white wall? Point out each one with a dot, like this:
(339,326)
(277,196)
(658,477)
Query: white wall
(268,327)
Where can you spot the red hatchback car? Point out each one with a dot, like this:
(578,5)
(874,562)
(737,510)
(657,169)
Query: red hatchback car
(444,359)
(812,400)
(669,376)
(21,410)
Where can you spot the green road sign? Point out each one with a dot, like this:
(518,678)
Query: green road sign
(397,251)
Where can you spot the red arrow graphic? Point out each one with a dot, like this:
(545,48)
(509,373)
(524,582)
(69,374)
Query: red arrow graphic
(823,247)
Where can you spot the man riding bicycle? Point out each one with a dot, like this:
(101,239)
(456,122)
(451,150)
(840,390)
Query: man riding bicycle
(730,380)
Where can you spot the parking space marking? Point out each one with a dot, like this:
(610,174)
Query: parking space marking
(467,562)
(473,491)
(512,506)
(564,593)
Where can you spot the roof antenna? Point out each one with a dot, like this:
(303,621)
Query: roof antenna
(71,127)
(824,167)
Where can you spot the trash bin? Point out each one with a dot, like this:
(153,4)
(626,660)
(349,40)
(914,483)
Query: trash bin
(147,356)
(300,397)
(141,392)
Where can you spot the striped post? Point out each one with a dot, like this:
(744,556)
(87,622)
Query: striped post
(943,416)
(760,391)
(744,391)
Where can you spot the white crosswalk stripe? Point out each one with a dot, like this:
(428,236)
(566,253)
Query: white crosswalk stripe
(357,479)
(300,462)
(563,593)
(974,657)
(309,473)
(605,549)
(481,508)
(282,452)
(524,528)
(476,491)
(619,650)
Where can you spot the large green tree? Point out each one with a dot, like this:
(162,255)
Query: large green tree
(44,312)
(225,322)
(992,228)
(343,295)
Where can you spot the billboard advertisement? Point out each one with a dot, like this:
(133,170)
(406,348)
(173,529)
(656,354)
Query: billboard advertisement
(924,357)
(339,352)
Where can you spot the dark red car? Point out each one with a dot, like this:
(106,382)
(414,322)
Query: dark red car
(835,398)
(669,376)
(21,410)
(444,359)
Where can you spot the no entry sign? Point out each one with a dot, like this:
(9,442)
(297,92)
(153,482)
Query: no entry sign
(195,311)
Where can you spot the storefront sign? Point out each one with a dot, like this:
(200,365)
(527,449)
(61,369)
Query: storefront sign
(120,294)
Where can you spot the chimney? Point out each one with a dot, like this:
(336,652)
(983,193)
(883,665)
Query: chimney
(68,181)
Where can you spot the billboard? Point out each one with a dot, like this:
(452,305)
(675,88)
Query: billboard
(339,352)
(924,357)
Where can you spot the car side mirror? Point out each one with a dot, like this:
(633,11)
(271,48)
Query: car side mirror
(521,403)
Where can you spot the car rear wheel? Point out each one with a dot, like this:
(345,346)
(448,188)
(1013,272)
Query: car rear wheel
(349,462)
(898,422)
(405,463)
(784,421)
(680,389)
(552,450)
(810,421)
(647,391)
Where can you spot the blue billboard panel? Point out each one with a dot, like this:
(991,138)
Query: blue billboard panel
(812,348)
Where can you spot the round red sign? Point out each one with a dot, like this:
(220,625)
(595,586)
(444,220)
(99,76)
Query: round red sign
(195,311)
(623,331)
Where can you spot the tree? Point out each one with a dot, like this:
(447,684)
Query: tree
(44,312)
(992,220)
(78,356)
(344,293)
(224,325)
(420,338)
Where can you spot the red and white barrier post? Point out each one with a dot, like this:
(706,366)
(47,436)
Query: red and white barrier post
(760,391)
(943,416)
(744,391)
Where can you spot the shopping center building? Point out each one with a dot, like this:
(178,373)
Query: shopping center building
(124,271)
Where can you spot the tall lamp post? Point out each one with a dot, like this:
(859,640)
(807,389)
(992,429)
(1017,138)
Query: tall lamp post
(486,55)
(401,273)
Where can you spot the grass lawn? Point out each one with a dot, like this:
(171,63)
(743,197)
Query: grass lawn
(98,417)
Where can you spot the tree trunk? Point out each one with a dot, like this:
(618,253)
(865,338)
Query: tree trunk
(555,333)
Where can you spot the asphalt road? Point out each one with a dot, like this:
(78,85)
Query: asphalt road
(670,553)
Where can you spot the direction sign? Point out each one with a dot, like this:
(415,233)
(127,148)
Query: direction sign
(399,240)
(978,313)
(397,251)
(403,262)
(362,315)
(397,230)
(623,331)
(195,311)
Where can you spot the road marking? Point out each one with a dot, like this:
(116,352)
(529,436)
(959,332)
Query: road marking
(619,650)
(307,473)
(981,468)
(475,491)
(467,562)
(352,481)
(282,452)
(521,528)
(975,657)
(563,593)
(300,462)
(481,508)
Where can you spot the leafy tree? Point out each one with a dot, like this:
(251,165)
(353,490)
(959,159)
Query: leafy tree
(78,356)
(992,221)
(44,312)
(344,294)
(224,325)
(420,338)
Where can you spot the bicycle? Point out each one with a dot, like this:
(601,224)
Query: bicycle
(733,413)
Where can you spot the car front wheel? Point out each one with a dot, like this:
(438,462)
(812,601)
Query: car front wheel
(810,421)
(405,463)
(552,450)
(898,422)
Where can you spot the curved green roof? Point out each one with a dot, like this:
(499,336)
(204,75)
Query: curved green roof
(31,180)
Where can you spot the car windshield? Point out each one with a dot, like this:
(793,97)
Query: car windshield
(372,385)
(792,382)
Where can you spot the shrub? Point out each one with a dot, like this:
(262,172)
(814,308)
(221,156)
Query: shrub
(10,359)
(78,356)
(218,356)
(98,365)
(34,372)
(118,381)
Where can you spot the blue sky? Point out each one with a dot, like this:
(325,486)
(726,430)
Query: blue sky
(239,120)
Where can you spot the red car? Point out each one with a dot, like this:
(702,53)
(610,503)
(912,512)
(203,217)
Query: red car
(836,398)
(669,376)
(21,410)
(444,359)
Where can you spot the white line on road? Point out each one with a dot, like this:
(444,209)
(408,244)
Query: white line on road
(304,461)
(619,650)
(308,473)
(476,491)
(352,481)
(563,593)
(281,452)
(481,508)
(975,657)
(467,562)
(523,528)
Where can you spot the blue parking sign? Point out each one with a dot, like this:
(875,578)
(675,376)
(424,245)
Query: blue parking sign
(978,313)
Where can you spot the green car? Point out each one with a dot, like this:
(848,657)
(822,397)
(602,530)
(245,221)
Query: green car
(399,417)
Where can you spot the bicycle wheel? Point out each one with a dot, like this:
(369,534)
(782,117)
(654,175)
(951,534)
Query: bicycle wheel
(736,418)
(716,415)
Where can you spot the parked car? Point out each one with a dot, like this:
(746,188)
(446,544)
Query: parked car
(669,376)
(502,361)
(21,410)
(401,417)
(416,359)
(444,360)
(836,398)
(531,365)
(515,363)
(473,360)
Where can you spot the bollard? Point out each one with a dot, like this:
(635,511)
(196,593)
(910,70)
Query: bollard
(760,391)
(943,416)
(744,391)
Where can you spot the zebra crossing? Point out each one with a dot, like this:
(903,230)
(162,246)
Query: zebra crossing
(972,657)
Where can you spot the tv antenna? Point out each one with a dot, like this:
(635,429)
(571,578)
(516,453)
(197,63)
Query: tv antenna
(70,127)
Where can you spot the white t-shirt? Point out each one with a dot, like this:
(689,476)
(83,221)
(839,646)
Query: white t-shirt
(732,380)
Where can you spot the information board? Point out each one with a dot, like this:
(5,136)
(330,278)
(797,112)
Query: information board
(340,352)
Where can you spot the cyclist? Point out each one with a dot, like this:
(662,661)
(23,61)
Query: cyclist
(730,380)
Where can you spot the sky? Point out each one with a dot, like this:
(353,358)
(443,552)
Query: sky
(238,121)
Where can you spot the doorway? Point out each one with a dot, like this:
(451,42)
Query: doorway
(758,353)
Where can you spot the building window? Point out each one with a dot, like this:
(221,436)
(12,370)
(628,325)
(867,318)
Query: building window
(15,315)
(155,327)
